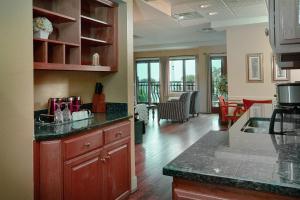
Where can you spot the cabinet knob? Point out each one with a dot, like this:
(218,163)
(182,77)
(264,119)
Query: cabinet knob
(119,133)
(88,144)
(267,32)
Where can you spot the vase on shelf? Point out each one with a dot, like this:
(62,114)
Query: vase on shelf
(96,59)
(41,34)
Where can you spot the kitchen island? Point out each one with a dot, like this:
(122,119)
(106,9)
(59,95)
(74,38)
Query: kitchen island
(238,164)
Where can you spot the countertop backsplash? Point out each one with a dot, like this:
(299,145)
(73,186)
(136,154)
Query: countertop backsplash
(111,107)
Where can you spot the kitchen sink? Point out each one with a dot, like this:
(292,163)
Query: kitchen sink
(257,125)
(261,125)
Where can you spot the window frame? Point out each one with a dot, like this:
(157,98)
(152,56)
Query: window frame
(184,59)
(147,61)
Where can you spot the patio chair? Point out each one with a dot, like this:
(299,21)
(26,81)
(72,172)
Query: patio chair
(176,110)
(248,103)
(229,111)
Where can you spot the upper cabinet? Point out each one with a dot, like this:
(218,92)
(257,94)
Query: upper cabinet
(284,31)
(285,25)
(81,29)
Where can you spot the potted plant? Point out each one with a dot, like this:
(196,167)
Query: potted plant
(42,27)
(222,86)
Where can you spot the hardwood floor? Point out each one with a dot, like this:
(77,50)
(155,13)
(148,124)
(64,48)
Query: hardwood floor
(162,143)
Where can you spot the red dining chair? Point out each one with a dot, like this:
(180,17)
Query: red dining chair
(248,103)
(229,111)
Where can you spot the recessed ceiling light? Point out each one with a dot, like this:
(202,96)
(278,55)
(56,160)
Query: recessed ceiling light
(212,13)
(204,5)
(181,17)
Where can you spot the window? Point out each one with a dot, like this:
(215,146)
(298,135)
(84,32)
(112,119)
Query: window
(147,81)
(182,74)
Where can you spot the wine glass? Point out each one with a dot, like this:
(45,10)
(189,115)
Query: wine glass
(67,113)
(58,114)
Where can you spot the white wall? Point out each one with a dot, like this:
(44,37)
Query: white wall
(16,100)
(130,85)
(242,40)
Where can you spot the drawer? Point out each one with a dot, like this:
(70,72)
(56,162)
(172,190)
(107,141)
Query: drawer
(116,132)
(82,144)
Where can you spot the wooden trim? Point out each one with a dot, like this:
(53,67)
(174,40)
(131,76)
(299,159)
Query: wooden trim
(70,67)
(191,190)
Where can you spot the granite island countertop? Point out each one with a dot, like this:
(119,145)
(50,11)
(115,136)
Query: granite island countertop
(56,131)
(256,161)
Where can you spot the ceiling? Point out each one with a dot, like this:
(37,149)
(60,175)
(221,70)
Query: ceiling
(178,24)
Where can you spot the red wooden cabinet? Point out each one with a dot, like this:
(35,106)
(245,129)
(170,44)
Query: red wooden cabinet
(83,177)
(83,166)
(118,169)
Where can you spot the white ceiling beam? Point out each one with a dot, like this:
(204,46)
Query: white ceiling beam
(182,45)
(238,22)
(162,6)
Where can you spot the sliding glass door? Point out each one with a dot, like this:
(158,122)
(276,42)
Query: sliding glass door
(218,71)
(147,81)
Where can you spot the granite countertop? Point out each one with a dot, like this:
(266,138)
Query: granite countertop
(114,112)
(256,161)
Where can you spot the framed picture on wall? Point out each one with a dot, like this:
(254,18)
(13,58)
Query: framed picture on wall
(254,67)
(279,74)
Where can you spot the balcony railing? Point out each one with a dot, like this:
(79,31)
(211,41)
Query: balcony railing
(178,86)
(143,92)
(175,86)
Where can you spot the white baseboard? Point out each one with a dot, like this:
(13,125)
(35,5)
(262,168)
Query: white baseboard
(133,184)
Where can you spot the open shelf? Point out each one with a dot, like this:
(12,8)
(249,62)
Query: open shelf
(94,22)
(56,42)
(81,28)
(70,67)
(104,3)
(93,42)
(52,16)
(40,51)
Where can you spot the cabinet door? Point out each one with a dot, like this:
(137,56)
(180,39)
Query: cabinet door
(118,166)
(83,177)
(288,21)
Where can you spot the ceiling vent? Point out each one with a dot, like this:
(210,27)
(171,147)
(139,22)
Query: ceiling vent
(137,37)
(207,30)
(187,15)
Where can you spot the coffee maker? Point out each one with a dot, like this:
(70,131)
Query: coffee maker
(285,119)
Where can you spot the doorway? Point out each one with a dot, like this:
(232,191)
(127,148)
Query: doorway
(148,81)
(218,73)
